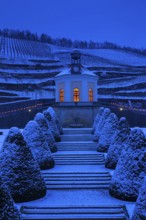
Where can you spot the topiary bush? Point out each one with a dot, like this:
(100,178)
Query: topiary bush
(117,144)
(97,118)
(130,169)
(19,169)
(101,123)
(55,118)
(140,207)
(36,141)
(41,121)
(8,211)
(107,133)
(52,126)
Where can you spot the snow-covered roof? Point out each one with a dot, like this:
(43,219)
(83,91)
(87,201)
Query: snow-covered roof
(84,71)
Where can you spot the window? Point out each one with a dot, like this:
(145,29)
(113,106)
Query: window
(76,95)
(61,94)
(90,95)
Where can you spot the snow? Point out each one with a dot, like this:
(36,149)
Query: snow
(36,141)
(118,143)
(40,119)
(14,150)
(131,168)
(96,120)
(52,125)
(100,125)
(84,71)
(140,208)
(55,118)
(107,133)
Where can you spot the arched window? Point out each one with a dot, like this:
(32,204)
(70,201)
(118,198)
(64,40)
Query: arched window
(90,93)
(61,95)
(76,95)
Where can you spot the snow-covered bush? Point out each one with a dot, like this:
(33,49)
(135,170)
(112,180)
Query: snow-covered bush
(131,168)
(55,118)
(102,120)
(96,120)
(36,141)
(117,143)
(107,133)
(8,211)
(52,126)
(41,121)
(19,169)
(140,207)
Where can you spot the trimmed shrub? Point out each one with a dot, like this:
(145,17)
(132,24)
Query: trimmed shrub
(130,169)
(97,118)
(107,133)
(36,141)
(118,143)
(8,211)
(19,169)
(40,119)
(140,207)
(52,126)
(55,118)
(101,123)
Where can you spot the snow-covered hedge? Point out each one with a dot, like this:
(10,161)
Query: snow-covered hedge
(8,211)
(131,168)
(40,119)
(36,141)
(55,118)
(52,126)
(107,133)
(140,208)
(96,120)
(19,169)
(118,143)
(102,120)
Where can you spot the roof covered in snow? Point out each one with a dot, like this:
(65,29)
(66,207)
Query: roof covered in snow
(84,71)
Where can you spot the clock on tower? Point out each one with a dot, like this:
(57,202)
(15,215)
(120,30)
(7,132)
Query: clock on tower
(76,62)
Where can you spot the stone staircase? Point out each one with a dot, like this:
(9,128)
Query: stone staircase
(76,150)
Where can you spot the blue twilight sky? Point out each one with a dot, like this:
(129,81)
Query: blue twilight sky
(119,21)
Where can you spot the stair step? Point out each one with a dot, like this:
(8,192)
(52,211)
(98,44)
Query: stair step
(77,137)
(74,213)
(77,131)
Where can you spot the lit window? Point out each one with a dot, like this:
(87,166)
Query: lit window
(76,95)
(61,94)
(90,95)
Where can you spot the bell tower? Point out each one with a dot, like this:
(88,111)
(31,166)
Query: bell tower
(76,62)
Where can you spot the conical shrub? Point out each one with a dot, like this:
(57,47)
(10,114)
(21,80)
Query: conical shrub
(41,121)
(130,169)
(19,169)
(55,118)
(140,207)
(36,141)
(97,118)
(52,126)
(107,133)
(101,123)
(118,143)
(8,211)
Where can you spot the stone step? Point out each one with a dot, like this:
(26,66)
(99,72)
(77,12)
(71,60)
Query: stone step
(77,180)
(79,159)
(104,212)
(77,130)
(77,146)
(77,137)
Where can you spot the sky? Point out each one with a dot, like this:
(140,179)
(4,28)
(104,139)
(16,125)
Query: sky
(118,21)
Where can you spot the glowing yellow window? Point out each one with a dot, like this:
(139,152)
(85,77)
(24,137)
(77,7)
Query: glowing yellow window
(90,95)
(76,95)
(61,94)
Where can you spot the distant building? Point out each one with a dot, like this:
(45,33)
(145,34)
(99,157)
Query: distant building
(76,83)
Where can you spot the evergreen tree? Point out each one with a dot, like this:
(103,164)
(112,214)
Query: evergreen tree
(55,118)
(97,118)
